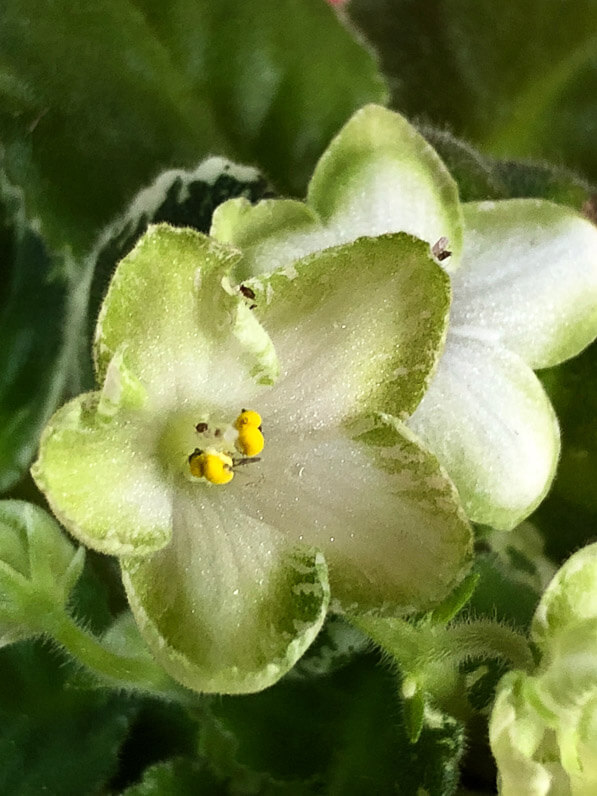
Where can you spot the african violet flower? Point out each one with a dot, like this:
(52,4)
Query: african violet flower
(543,728)
(524,282)
(229,557)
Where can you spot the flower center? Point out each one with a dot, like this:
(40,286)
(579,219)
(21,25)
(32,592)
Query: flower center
(216,459)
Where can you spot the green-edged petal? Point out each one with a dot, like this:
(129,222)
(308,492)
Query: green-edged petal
(228,606)
(489,422)
(377,176)
(378,505)
(529,274)
(271,234)
(185,331)
(98,472)
(356,328)
(380,175)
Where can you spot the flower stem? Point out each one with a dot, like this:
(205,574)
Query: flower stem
(417,646)
(119,671)
(486,639)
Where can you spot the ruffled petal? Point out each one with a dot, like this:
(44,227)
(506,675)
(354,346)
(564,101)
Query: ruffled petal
(376,503)
(229,606)
(357,328)
(529,275)
(486,417)
(186,332)
(101,478)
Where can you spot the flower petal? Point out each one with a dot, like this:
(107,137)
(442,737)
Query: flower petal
(380,175)
(101,480)
(378,505)
(271,234)
(570,598)
(489,422)
(516,735)
(377,176)
(185,331)
(357,328)
(229,606)
(529,273)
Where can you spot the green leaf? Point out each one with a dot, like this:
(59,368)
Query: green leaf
(340,734)
(568,516)
(337,643)
(99,99)
(54,739)
(500,594)
(38,329)
(482,177)
(282,77)
(472,67)
(177,777)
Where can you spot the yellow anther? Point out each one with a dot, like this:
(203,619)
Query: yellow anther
(250,440)
(247,418)
(214,467)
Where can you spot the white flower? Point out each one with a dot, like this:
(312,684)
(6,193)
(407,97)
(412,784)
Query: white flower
(524,282)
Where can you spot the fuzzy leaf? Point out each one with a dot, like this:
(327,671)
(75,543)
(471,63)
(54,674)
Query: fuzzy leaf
(98,99)
(516,80)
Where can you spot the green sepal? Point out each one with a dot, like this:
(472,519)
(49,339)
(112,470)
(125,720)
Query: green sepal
(413,707)
(455,601)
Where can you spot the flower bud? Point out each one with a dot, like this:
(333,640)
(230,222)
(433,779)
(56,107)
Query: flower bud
(38,568)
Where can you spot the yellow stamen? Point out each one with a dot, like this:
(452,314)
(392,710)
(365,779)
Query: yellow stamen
(250,441)
(214,467)
(247,418)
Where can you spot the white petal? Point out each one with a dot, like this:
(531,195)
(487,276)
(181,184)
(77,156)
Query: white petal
(487,419)
(529,274)
(378,505)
